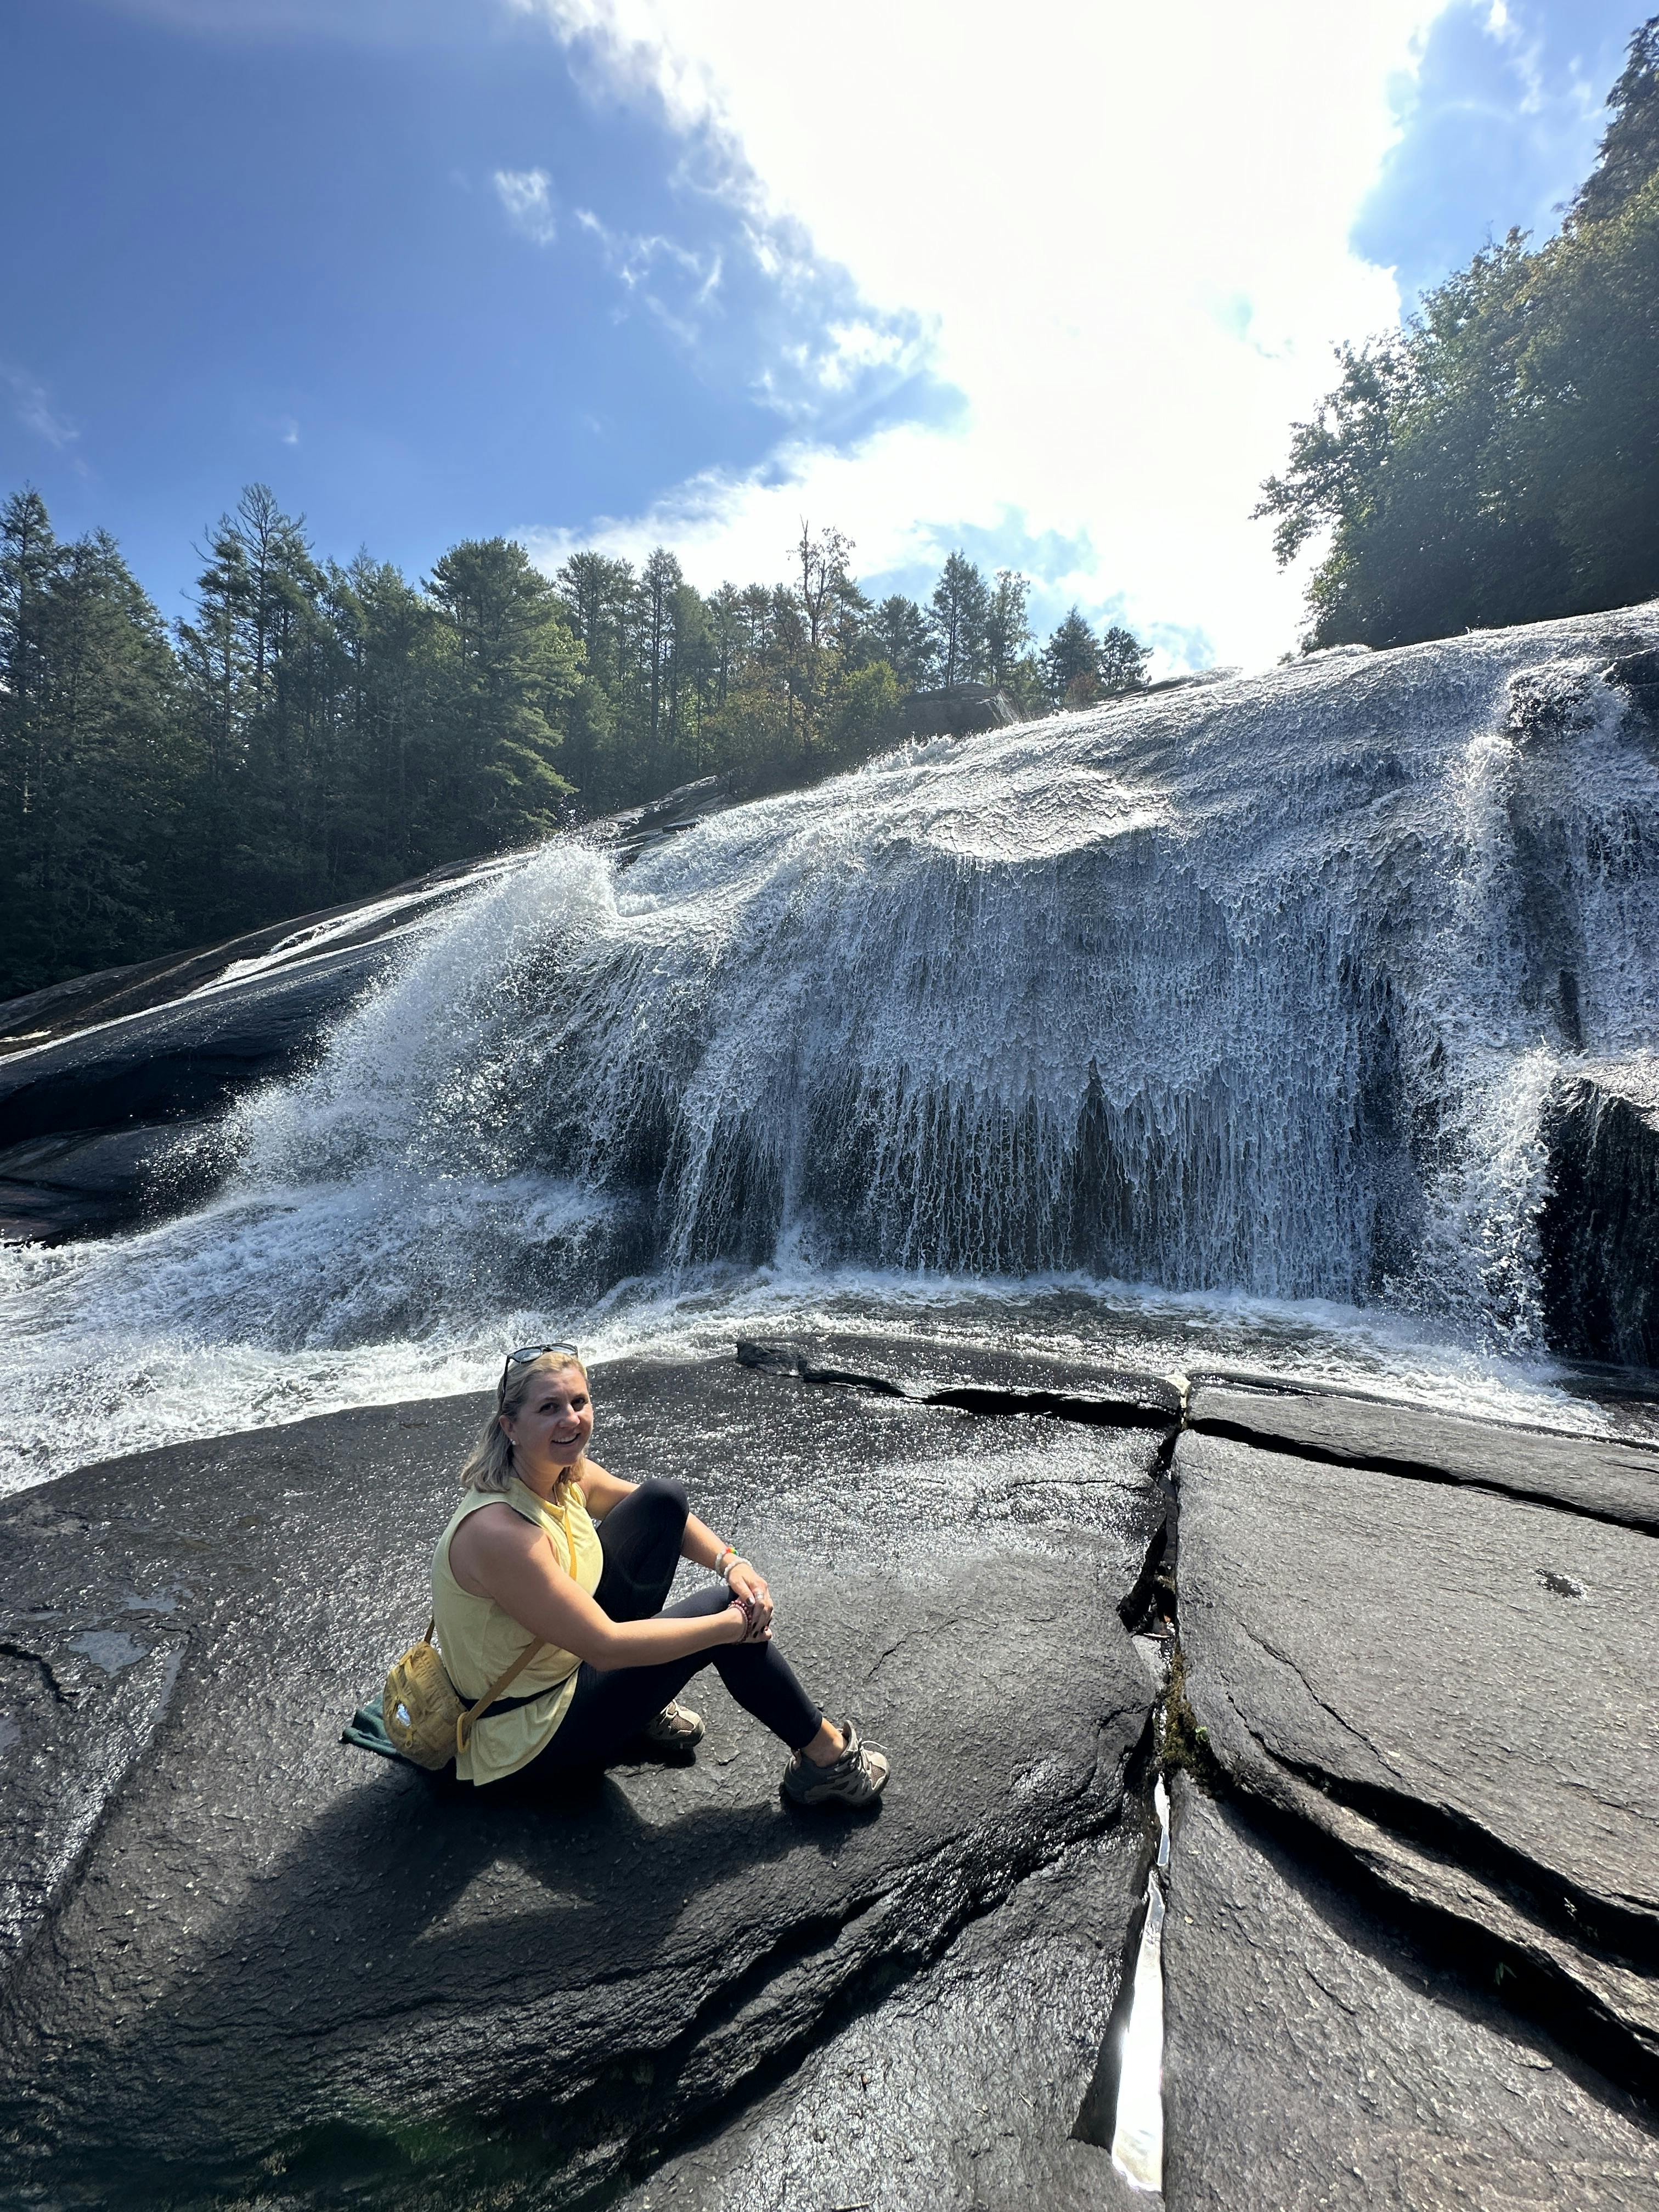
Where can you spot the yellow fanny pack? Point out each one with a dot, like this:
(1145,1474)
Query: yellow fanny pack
(425,1718)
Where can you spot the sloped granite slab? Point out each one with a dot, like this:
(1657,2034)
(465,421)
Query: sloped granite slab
(963,2088)
(278,1965)
(1458,1688)
(1313,2060)
(1609,1481)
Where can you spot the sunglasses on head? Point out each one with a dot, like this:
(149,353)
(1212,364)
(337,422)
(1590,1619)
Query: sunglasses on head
(525,1353)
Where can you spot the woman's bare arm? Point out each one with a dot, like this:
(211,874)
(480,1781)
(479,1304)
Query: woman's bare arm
(506,1559)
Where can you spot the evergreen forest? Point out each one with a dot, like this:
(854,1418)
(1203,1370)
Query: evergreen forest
(1497,460)
(312,733)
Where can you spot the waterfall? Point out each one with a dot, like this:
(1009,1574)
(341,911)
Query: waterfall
(1253,986)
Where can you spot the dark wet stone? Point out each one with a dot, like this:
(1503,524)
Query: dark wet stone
(960,2089)
(642,829)
(1313,2060)
(187,1057)
(86,1180)
(1598,1230)
(1459,1689)
(955,710)
(1590,1475)
(975,1377)
(276,1953)
(112,994)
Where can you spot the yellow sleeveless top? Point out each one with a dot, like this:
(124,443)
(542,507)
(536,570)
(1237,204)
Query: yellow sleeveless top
(478,1640)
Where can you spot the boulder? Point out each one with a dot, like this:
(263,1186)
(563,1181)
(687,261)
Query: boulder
(1598,1230)
(1313,2058)
(1455,1688)
(1606,1480)
(955,710)
(643,827)
(255,1958)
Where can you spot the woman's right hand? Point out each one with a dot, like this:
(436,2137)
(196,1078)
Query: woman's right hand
(752,1626)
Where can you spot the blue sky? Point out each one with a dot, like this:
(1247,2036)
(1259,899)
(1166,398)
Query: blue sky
(615,269)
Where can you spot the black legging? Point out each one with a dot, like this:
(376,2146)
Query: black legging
(640,1539)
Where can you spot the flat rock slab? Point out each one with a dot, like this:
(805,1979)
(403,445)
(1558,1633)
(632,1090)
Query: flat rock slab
(1311,2060)
(1586,1474)
(960,2089)
(1457,1686)
(975,1377)
(266,1953)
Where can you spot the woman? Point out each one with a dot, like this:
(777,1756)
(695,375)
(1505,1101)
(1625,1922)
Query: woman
(546,1544)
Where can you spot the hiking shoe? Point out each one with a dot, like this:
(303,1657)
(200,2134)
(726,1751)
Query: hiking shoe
(857,1777)
(677,1726)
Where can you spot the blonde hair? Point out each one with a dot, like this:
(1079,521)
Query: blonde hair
(489,1463)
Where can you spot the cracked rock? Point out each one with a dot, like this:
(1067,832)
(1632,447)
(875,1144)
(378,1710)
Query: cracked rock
(962,2088)
(1388,1661)
(277,1956)
(1608,1480)
(1312,2059)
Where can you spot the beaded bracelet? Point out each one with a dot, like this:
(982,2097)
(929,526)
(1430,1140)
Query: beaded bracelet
(727,1561)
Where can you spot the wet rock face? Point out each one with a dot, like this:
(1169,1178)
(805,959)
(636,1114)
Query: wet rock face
(101,1076)
(237,1947)
(963,2087)
(1456,1689)
(1605,1479)
(1313,2060)
(1599,1229)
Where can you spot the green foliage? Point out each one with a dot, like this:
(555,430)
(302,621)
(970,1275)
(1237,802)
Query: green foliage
(92,776)
(1498,460)
(1077,668)
(312,734)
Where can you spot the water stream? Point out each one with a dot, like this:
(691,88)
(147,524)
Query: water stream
(1211,1026)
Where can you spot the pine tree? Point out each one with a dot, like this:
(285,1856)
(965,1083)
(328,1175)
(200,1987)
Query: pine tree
(958,613)
(1121,660)
(900,636)
(94,779)
(1071,664)
(507,660)
(1008,632)
(1630,146)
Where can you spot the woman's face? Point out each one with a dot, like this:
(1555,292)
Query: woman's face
(554,1422)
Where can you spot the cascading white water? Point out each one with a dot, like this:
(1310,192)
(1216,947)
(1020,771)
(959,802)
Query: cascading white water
(1254,987)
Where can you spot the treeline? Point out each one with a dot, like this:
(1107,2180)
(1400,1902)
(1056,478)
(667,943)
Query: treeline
(1498,460)
(312,733)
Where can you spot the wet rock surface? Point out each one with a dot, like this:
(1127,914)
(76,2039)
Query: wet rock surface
(1455,1688)
(1313,2058)
(961,2088)
(101,1075)
(252,1952)
(972,1378)
(1599,1227)
(1611,1481)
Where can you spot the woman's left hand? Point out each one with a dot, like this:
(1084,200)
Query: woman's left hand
(744,1581)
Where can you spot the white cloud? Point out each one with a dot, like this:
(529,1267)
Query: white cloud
(1126,229)
(527,196)
(31,403)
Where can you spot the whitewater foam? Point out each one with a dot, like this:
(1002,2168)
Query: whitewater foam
(1254,993)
